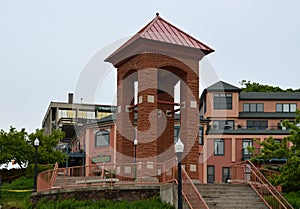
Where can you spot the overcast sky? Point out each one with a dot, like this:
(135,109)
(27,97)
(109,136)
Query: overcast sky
(46,45)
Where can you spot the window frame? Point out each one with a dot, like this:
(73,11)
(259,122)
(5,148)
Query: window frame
(201,136)
(222,101)
(280,107)
(221,124)
(210,177)
(217,150)
(107,134)
(257,124)
(225,178)
(253,107)
(249,144)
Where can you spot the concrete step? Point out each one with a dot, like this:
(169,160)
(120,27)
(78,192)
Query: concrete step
(235,206)
(226,196)
(230,200)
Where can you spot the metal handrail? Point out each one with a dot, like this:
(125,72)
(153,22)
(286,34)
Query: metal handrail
(184,195)
(257,180)
(195,194)
(54,174)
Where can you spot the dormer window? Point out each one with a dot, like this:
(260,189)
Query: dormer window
(223,101)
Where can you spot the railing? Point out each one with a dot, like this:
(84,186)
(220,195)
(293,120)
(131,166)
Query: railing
(46,179)
(245,127)
(191,193)
(107,174)
(54,174)
(246,172)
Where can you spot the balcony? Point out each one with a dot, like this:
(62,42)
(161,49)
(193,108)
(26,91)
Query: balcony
(270,130)
(246,155)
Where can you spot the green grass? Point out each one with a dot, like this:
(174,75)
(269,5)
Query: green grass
(12,199)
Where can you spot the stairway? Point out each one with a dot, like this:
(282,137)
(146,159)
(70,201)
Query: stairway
(228,196)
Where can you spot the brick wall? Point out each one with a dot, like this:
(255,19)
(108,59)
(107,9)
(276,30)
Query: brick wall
(152,140)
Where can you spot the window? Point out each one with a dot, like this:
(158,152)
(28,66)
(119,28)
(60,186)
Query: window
(223,124)
(225,174)
(223,101)
(257,124)
(66,113)
(247,143)
(86,114)
(277,140)
(253,107)
(103,114)
(102,138)
(246,154)
(286,107)
(201,135)
(210,174)
(219,147)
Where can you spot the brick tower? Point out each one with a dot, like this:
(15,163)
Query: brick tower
(149,65)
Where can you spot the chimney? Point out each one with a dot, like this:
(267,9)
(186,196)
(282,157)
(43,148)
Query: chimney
(70,97)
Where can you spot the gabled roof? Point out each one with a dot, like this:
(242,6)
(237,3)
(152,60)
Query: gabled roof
(223,86)
(162,31)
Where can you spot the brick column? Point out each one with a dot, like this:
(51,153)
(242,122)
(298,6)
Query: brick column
(125,127)
(165,125)
(189,123)
(147,113)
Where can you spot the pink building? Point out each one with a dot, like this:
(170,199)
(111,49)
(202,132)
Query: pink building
(229,122)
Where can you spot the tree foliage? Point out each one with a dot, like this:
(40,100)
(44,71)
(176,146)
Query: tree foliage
(15,145)
(288,148)
(248,86)
(18,146)
(48,143)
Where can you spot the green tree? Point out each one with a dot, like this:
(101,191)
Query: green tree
(248,86)
(289,176)
(15,145)
(48,143)
(18,146)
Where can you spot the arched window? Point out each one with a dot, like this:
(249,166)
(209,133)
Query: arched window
(102,138)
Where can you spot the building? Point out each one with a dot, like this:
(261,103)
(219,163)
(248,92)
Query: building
(236,119)
(229,122)
(70,117)
(215,129)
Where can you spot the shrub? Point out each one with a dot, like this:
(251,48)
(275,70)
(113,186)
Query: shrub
(293,198)
(154,203)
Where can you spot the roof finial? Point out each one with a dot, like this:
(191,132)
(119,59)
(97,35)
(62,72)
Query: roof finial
(157,13)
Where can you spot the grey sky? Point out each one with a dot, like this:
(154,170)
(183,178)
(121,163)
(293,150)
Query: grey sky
(45,45)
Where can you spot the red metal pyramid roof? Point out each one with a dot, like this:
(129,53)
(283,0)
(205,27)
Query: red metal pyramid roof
(161,30)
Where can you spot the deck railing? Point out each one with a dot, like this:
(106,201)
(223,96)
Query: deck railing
(110,174)
(246,172)
(102,173)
